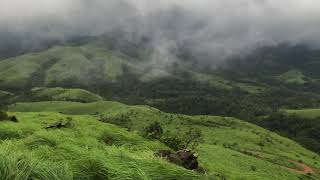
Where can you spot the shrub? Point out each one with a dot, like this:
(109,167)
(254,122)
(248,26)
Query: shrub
(3,116)
(253,168)
(110,139)
(153,131)
(122,120)
(261,143)
(193,137)
(173,142)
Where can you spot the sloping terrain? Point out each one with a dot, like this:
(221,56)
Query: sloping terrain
(29,151)
(248,88)
(63,94)
(98,62)
(231,148)
(5,94)
(61,65)
(300,125)
(94,65)
(5,98)
(306,113)
(293,77)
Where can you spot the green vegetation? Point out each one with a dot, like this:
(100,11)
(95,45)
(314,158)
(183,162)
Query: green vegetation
(111,140)
(303,129)
(5,98)
(230,147)
(5,94)
(293,77)
(305,113)
(63,94)
(28,151)
(191,138)
(62,65)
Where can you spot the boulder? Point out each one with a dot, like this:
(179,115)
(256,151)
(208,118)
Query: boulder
(184,158)
(188,159)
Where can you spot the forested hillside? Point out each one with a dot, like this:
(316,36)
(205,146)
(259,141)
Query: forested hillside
(250,87)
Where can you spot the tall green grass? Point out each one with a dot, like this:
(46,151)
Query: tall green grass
(80,152)
(232,149)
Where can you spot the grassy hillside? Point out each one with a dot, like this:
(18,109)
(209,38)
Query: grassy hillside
(63,94)
(268,79)
(293,77)
(231,149)
(249,88)
(5,98)
(28,151)
(76,65)
(5,94)
(306,113)
(95,64)
(301,125)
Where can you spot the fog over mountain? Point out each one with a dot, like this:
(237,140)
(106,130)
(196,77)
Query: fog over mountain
(215,28)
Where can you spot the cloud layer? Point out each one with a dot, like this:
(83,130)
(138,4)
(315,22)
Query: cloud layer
(216,28)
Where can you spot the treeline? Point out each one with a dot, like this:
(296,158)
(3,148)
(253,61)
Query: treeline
(238,104)
(303,130)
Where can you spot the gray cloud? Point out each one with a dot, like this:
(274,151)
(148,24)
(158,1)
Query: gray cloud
(215,28)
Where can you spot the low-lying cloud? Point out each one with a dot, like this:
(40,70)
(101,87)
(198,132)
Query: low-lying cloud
(215,28)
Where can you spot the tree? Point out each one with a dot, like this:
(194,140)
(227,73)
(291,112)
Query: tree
(193,137)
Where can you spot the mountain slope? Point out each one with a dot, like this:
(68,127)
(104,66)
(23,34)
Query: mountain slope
(61,65)
(232,149)
(28,151)
(247,87)
(63,94)
(105,62)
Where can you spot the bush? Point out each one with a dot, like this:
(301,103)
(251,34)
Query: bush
(3,116)
(153,131)
(173,142)
(113,139)
(190,139)
(122,120)
(253,168)
(193,137)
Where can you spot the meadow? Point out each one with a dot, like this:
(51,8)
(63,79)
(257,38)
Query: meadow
(231,148)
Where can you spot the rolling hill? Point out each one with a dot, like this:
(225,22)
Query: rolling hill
(305,113)
(69,83)
(63,94)
(59,65)
(231,148)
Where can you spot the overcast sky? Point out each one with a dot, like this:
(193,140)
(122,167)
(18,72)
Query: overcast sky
(221,27)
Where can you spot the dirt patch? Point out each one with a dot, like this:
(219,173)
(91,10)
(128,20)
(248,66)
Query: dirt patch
(306,169)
